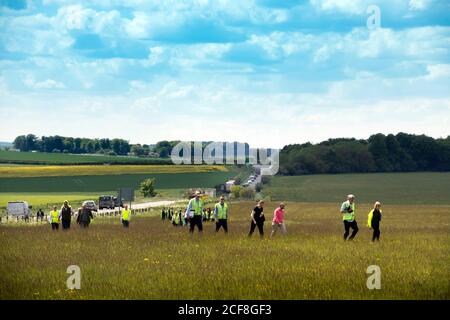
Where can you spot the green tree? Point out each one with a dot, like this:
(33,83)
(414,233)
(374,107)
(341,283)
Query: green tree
(247,193)
(235,191)
(147,187)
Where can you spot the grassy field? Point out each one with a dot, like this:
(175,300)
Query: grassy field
(43,200)
(46,200)
(393,188)
(153,260)
(61,158)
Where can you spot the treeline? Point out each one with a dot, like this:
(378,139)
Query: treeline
(58,144)
(380,153)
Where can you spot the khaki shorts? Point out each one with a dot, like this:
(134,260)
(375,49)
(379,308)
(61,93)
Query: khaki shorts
(281,227)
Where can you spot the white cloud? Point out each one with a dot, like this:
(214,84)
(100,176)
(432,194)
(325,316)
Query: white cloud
(46,84)
(418,5)
(347,6)
(438,71)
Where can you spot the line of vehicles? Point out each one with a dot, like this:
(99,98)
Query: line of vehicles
(251,180)
(23,209)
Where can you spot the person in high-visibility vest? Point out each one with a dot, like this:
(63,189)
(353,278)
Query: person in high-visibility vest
(176,218)
(194,213)
(349,217)
(125,216)
(374,221)
(54,218)
(221,215)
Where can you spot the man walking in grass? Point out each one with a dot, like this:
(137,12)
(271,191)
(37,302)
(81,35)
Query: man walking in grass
(348,211)
(85,216)
(54,218)
(66,215)
(221,215)
(125,217)
(194,213)
(278,220)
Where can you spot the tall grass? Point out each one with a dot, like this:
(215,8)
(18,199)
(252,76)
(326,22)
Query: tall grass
(154,260)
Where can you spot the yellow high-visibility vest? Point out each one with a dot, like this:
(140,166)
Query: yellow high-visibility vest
(126,215)
(369,221)
(197,207)
(222,211)
(55,216)
(350,216)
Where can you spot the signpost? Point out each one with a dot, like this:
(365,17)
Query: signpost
(126,194)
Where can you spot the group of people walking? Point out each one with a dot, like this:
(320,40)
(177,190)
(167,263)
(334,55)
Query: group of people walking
(84,216)
(195,208)
(195,216)
(348,209)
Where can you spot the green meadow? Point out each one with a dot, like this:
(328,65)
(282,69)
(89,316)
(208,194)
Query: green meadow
(155,260)
(394,188)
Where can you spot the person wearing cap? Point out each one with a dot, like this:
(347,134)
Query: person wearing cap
(221,215)
(348,211)
(194,213)
(374,221)
(66,215)
(278,220)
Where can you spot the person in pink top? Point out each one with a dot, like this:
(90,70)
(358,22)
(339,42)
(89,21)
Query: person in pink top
(278,220)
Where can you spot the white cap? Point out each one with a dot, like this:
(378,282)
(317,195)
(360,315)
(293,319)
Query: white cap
(351,196)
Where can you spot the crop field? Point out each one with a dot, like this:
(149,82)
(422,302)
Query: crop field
(89,170)
(393,188)
(61,158)
(154,260)
(111,182)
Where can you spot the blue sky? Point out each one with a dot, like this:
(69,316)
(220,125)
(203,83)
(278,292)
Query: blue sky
(265,72)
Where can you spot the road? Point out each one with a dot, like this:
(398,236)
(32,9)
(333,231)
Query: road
(146,205)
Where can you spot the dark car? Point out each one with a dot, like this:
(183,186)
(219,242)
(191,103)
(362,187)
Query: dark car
(106,202)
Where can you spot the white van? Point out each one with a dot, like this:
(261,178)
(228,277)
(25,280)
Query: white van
(18,208)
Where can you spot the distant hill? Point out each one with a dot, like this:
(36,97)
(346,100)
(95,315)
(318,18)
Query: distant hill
(4,145)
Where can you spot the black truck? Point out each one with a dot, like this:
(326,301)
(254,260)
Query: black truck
(109,202)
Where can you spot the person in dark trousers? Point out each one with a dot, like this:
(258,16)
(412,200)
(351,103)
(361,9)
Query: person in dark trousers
(84,217)
(66,215)
(349,217)
(125,217)
(194,212)
(163,214)
(40,215)
(221,215)
(54,218)
(180,217)
(374,221)
(208,217)
(258,219)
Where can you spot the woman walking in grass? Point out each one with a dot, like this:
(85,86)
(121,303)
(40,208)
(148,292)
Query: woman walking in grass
(278,220)
(258,219)
(374,221)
